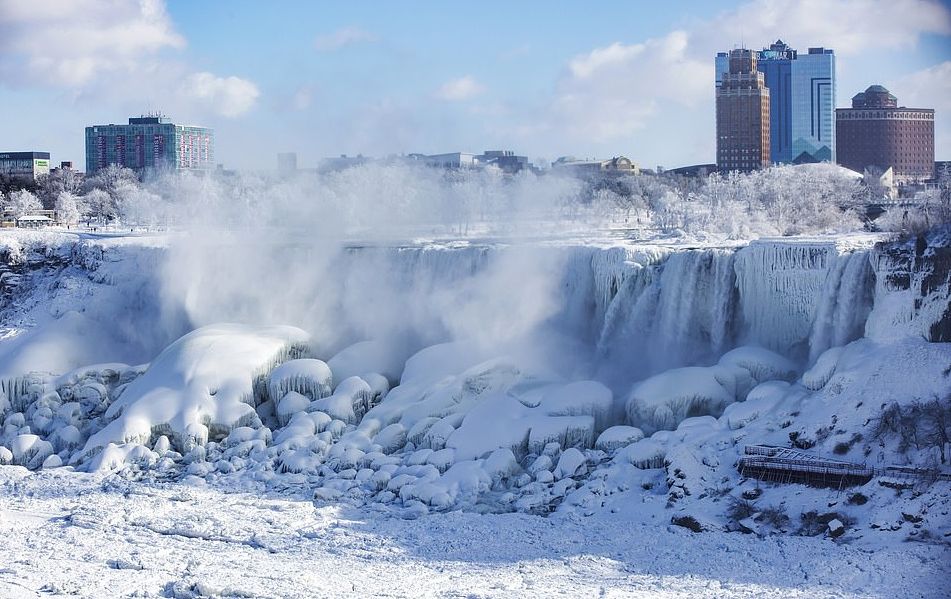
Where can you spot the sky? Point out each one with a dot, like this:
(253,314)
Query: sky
(545,79)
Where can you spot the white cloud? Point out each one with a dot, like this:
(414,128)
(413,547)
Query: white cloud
(70,42)
(612,92)
(848,26)
(226,96)
(928,88)
(460,89)
(346,36)
(111,50)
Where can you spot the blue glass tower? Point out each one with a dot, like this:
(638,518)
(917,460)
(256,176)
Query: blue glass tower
(802,102)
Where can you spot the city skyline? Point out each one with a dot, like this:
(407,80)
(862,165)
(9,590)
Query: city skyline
(376,82)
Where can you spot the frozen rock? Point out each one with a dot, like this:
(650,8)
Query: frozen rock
(579,398)
(566,431)
(297,432)
(836,528)
(92,396)
(292,403)
(570,462)
(437,435)
(379,386)
(663,400)
(30,451)
(67,437)
(542,462)
(441,459)
(70,413)
(760,401)
(645,454)
(308,377)
(762,364)
(617,437)
(207,376)
(163,445)
(821,372)
(391,438)
(418,430)
(500,464)
(349,402)
(497,421)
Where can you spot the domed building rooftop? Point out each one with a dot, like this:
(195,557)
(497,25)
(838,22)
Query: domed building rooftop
(876,96)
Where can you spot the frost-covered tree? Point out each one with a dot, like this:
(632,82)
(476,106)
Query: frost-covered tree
(112,179)
(101,206)
(67,208)
(56,182)
(22,203)
(138,206)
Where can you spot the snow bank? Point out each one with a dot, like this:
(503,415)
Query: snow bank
(617,437)
(661,402)
(200,387)
(383,357)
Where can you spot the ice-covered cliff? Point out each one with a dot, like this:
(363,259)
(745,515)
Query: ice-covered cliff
(625,311)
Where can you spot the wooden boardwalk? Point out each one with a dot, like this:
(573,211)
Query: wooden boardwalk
(787,465)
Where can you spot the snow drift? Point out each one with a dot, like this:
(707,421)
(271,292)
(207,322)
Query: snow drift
(201,387)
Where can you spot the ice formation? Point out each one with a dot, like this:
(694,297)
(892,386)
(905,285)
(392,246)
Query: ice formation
(663,401)
(202,386)
(306,376)
(617,437)
(702,348)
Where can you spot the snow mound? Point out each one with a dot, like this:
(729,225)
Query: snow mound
(201,386)
(816,377)
(351,399)
(617,437)
(645,454)
(368,356)
(662,401)
(761,400)
(762,364)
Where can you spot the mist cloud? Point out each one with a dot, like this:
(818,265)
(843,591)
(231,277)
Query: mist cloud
(463,88)
(341,38)
(227,96)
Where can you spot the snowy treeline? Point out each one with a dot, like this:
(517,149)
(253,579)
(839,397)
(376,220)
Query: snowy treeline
(783,200)
(114,194)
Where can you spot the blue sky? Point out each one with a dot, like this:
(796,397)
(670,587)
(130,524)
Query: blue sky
(544,78)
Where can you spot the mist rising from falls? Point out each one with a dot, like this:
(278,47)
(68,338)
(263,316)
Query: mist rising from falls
(619,314)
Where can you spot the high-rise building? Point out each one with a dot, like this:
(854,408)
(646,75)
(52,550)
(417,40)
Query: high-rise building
(877,132)
(25,166)
(802,101)
(742,115)
(149,143)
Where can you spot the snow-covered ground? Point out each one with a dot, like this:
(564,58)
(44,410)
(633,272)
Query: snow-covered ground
(74,534)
